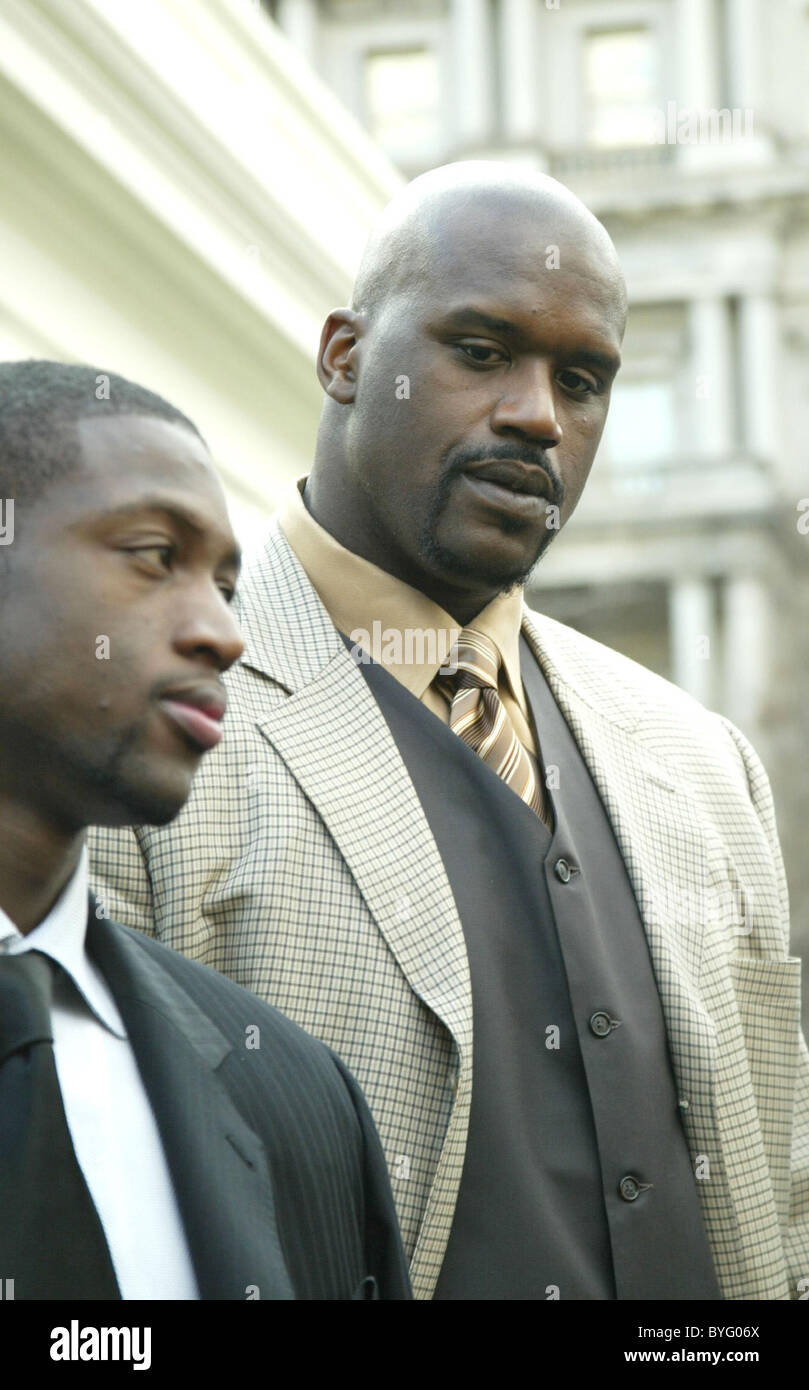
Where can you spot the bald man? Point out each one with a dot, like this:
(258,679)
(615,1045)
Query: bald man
(529,891)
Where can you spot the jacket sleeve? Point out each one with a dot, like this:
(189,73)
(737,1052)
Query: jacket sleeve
(384,1252)
(796,1236)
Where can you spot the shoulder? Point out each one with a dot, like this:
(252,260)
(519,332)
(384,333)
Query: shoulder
(235,1011)
(584,661)
(594,670)
(662,718)
(274,585)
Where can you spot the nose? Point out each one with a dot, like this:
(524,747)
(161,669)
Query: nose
(527,406)
(206,625)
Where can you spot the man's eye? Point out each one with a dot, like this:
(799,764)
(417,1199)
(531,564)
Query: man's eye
(164,553)
(482,353)
(574,381)
(228,593)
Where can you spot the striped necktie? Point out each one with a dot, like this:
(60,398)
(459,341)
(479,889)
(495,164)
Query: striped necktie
(478,716)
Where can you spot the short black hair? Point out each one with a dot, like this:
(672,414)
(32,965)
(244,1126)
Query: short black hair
(41,404)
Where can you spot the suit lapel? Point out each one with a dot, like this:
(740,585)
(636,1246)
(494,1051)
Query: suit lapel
(337,744)
(217,1162)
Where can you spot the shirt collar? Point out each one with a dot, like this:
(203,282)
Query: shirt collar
(61,936)
(357,595)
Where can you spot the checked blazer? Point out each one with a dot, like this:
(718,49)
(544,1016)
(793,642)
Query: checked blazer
(303,866)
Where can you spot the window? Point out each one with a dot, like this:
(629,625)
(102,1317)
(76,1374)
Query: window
(402,98)
(620,85)
(640,432)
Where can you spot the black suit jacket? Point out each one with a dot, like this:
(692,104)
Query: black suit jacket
(280,1177)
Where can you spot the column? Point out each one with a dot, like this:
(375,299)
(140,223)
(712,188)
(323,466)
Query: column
(519,69)
(697,70)
(743,42)
(472,87)
(297,19)
(712,360)
(759,351)
(746,651)
(742,47)
(692,627)
(697,67)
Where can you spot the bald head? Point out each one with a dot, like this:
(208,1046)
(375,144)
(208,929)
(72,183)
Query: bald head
(425,227)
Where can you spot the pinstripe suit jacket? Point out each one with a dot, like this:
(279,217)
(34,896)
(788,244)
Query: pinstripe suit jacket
(280,1180)
(303,866)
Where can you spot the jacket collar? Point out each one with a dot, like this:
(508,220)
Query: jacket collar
(277,605)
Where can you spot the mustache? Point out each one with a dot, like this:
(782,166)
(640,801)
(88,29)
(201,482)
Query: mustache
(522,452)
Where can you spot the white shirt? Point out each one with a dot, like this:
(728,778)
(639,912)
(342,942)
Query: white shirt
(111,1123)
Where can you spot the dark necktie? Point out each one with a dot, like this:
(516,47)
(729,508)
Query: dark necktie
(51,1240)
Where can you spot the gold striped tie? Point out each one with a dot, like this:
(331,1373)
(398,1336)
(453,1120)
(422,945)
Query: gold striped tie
(478,716)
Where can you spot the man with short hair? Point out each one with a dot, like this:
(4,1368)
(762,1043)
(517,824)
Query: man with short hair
(163,1133)
(533,894)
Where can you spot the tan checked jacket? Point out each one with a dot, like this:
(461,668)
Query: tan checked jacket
(303,867)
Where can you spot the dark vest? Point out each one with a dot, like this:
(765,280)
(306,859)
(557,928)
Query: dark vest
(577,1181)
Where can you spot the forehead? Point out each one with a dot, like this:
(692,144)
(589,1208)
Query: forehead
(130,461)
(126,454)
(131,468)
(540,261)
(130,464)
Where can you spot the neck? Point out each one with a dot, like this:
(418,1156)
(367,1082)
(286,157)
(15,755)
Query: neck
(36,861)
(347,526)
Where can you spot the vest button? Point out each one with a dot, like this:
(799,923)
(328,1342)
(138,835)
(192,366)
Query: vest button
(563,871)
(629,1188)
(600,1024)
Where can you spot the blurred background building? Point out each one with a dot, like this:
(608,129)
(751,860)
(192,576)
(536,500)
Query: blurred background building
(183,200)
(189,183)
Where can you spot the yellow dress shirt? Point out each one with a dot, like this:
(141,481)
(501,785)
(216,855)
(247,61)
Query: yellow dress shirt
(377,612)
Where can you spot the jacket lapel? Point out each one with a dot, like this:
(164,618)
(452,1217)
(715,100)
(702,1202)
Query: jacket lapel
(366,799)
(217,1162)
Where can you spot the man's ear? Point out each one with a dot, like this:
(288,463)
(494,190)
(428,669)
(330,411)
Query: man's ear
(337,357)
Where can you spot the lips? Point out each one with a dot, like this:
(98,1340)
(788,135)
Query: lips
(198,712)
(519,489)
(517,477)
